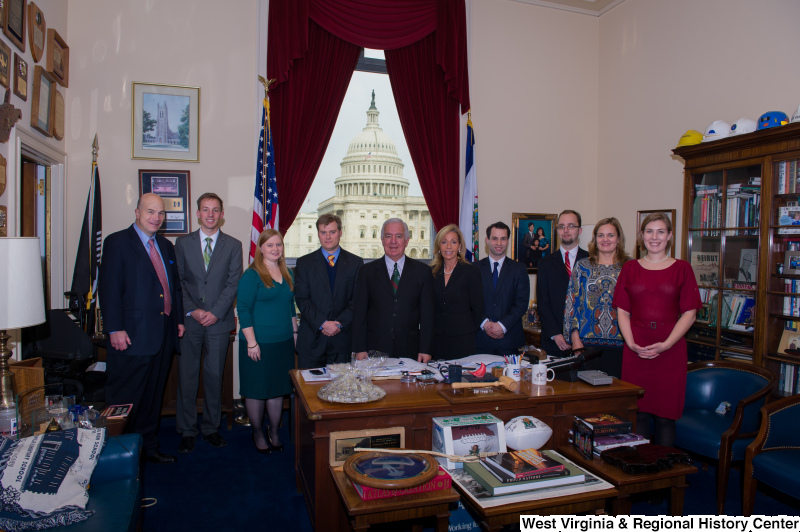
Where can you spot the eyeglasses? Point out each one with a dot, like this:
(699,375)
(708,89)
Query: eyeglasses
(571,227)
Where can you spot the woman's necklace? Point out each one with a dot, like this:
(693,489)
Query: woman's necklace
(656,261)
(451,271)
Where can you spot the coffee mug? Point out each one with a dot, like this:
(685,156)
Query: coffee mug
(540,374)
(513,371)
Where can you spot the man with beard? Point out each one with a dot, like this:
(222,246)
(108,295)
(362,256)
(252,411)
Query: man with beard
(552,281)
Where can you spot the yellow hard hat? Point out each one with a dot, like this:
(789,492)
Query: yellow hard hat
(690,138)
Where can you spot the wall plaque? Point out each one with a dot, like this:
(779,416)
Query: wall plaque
(14,22)
(57,57)
(36,31)
(20,77)
(2,175)
(43,101)
(58,115)
(5,63)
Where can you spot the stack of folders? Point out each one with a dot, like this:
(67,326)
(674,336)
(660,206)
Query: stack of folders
(525,470)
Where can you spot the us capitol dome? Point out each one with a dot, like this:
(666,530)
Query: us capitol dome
(370,189)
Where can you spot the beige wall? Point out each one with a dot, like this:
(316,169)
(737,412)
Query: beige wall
(666,67)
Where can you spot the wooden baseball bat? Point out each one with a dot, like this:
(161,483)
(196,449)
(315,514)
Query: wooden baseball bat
(506,382)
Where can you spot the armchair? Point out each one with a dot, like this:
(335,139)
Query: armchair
(722,436)
(774,456)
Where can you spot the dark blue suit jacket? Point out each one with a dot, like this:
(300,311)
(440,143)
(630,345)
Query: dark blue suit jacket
(551,295)
(505,304)
(131,296)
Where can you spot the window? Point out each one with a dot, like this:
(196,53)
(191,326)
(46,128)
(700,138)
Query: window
(374,215)
(422,234)
(362,233)
(362,216)
(309,236)
(410,234)
(374,233)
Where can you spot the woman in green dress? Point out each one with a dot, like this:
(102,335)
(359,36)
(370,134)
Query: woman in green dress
(265,303)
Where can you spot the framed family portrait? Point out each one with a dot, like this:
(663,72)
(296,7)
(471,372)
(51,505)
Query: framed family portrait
(165,122)
(791,262)
(174,189)
(532,238)
(641,215)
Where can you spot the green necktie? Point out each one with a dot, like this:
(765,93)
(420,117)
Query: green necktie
(395,278)
(207,252)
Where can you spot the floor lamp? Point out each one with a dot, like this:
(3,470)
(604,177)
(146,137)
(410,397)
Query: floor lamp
(21,300)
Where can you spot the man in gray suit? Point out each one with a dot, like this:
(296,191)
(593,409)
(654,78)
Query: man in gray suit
(209,264)
(326,308)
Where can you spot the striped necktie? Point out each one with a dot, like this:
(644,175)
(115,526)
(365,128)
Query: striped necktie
(207,252)
(162,275)
(566,264)
(331,260)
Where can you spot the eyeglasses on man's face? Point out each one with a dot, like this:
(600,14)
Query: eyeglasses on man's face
(571,227)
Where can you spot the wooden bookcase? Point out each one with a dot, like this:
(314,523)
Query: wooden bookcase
(739,200)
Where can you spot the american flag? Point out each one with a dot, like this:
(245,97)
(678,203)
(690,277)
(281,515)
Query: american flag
(266,192)
(468,219)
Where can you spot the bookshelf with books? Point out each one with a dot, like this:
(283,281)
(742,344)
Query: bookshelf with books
(741,227)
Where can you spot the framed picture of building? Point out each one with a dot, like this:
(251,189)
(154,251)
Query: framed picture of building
(165,122)
(640,216)
(174,188)
(532,238)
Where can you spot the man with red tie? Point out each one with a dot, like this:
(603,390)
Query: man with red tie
(142,304)
(552,280)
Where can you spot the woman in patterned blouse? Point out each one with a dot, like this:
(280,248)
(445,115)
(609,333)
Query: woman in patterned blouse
(589,318)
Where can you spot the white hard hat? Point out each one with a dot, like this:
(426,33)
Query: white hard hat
(742,126)
(719,129)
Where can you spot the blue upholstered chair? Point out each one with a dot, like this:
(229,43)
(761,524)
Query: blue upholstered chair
(774,457)
(723,437)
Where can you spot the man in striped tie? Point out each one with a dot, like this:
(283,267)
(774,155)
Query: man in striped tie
(326,308)
(142,304)
(393,307)
(552,281)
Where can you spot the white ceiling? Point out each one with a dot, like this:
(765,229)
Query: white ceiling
(587,7)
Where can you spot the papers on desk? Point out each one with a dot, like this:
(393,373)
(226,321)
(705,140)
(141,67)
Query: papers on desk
(479,496)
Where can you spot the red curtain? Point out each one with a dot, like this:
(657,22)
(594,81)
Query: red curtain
(294,50)
(429,117)
(303,112)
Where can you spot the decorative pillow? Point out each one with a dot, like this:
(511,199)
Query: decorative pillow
(43,479)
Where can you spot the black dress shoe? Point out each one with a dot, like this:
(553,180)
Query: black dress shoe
(262,451)
(215,439)
(272,446)
(160,458)
(186,445)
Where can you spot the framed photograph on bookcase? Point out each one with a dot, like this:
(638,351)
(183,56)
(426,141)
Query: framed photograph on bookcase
(791,262)
(532,238)
(641,215)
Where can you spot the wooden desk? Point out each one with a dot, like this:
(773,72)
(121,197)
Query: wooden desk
(414,406)
(628,484)
(363,514)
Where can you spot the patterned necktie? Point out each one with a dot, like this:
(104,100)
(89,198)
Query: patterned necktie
(331,260)
(207,252)
(162,275)
(495,274)
(395,278)
(566,263)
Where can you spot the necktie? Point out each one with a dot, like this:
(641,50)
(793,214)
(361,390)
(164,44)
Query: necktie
(495,274)
(162,275)
(566,263)
(207,252)
(331,260)
(395,278)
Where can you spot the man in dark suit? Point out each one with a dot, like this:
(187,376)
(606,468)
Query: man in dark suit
(552,280)
(529,247)
(326,309)
(210,264)
(506,290)
(393,305)
(142,304)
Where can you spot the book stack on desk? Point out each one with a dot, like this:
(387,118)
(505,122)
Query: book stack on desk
(522,471)
(603,430)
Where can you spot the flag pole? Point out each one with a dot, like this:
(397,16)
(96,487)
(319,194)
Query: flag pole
(95,150)
(266,82)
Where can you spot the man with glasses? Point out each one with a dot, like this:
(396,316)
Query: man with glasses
(552,281)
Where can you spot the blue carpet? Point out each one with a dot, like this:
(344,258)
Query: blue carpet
(235,488)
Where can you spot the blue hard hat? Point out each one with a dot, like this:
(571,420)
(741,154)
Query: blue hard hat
(772,119)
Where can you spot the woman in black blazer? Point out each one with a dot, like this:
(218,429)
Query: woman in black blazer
(458,297)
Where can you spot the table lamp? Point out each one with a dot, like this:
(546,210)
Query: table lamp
(21,300)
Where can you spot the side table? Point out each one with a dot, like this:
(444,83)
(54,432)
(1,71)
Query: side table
(363,514)
(627,484)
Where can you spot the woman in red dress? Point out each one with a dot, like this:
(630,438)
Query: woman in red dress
(657,300)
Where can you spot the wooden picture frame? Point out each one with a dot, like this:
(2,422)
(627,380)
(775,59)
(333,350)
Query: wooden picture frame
(391,471)
(342,443)
(165,122)
(58,116)
(20,78)
(174,187)
(14,23)
(640,216)
(5,64)
(523,240)
(57,57)
(37,31)
(43,101)
(791,263)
